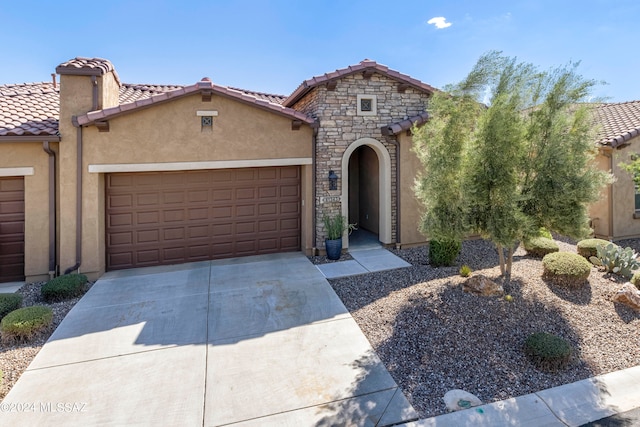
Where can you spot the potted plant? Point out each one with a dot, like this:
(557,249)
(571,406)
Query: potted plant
(335,226)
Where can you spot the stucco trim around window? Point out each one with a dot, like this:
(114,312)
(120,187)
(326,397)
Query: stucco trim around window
(371,102)
(27,171)
(178,166)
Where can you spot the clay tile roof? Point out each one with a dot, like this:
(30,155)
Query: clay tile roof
(29,109)
(87,66)
(619,122)
(203,85)
(406,124)
(276,99)
(134,92)
(365,65)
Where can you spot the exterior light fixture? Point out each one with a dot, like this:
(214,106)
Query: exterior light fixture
(333,180)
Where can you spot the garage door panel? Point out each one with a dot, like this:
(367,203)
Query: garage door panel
(173,215)
(267,208)
(245,194)
(243,211)
(146,218)
(223,195)
(223,213)
(245,228)
(197,231)
(148,256)
(173,234)
(148,199)
(173,197)
(123,219)
(120,201)
(12,229)
(117,239)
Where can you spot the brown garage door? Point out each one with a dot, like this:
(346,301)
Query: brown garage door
(11,229)
(172,217)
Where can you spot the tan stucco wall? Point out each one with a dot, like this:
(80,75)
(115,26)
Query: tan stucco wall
(624,224)
(171,132)
(75,99)
(599,212)
(411,210)
(36,189)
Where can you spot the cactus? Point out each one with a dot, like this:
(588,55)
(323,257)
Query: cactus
(616,260)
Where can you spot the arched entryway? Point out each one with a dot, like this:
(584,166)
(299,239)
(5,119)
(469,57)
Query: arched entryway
(366,187)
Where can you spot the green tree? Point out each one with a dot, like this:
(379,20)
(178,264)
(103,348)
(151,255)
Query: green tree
(505,169)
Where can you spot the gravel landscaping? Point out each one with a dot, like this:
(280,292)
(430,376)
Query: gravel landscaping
(433,337)
(16,357)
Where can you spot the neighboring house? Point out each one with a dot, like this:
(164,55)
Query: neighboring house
(99,175)
(617,214)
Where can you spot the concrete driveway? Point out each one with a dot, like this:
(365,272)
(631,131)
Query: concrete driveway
(254,341)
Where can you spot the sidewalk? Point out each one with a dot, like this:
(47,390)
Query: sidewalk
(571,405)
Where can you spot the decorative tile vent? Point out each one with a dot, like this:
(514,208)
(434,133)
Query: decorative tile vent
(206,119)
(367,105)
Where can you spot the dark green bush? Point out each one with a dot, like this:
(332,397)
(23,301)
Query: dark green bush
(25,323)
(540,246)
(64,287)
(589,247)
(565,268)
(8,303)
(548,352)
(443,252)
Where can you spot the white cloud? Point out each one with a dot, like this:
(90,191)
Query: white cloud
(440,22)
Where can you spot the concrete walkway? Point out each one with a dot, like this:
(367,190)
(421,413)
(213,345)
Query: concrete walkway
(365,260)
(256,341)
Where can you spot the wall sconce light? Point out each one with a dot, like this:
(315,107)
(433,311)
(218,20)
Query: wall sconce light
(333,180)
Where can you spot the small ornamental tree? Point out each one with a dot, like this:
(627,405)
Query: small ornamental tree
(506,169)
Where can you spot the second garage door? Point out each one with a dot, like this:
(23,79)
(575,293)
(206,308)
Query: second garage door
(173,217)
(11,229)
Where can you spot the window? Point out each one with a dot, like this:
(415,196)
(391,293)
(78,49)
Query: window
(367,105)
(637,199)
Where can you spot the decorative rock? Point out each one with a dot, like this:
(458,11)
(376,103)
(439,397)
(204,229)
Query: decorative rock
(628,295)
(457,400)
(481,285)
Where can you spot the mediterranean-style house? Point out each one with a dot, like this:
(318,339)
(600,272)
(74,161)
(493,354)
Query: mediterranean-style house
(616,215)
(99,175)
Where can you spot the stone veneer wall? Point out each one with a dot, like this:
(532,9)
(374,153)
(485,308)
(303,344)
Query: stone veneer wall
(340,126)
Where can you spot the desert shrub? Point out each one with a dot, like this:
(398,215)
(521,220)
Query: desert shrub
(8,303)
(589,247)
(565,268)
(25,323)
(64,287)
(540,246)
(465,271)
(616,260)
(443,252)
(548,352)
(635,279)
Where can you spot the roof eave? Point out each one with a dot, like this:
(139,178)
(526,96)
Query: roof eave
(29,138)
(306,86)
(92,117)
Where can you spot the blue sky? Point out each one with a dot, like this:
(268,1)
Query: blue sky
(272,46)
